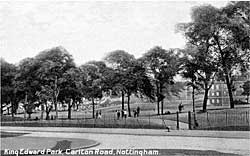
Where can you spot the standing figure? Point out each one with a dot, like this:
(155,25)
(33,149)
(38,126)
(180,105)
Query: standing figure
(96,114)
(100,115)
(180,107)
(118,114)
(135,113)
(125,114)
(138,111)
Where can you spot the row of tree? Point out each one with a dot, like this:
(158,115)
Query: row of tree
(218,43)
(52,76)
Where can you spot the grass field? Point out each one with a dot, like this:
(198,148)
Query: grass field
(216,118)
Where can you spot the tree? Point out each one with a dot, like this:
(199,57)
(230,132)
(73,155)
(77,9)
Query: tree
(8,91)
(136,82)
(27,83)
(200,67)
(120,61)
(72,90)
(246,89)
(45,95)
(93,84)
(143,84)
(53,64)
(219,30)
(162,66)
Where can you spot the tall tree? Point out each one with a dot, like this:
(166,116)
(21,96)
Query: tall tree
(120,61)
(8,91)
(27,83)
(162,65)
(93,84)
(219,30)
(136,82)
(200,66)
(72,91)
(53,64)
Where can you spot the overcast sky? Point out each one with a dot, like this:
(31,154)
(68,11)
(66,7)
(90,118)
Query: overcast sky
(89,30)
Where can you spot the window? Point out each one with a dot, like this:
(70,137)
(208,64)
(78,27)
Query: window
(218,101)
(217,86)
(212,101)
(217,93)
(212,93)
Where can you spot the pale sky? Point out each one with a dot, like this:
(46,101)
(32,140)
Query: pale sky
(89,30)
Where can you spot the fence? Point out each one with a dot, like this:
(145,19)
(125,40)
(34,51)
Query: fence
(213,120)
(220,120)
(107,121)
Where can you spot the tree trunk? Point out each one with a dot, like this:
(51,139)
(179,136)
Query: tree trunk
(48,109)
(162,100)
(93,111)
(12,110)
(129,112)
(229,88)
(193,99)
(56,108)
(204,108)
(42,115)
(25,104)
(56,95)
(47,115)
(69,108)
(122,100)
(158,100)
(224,65)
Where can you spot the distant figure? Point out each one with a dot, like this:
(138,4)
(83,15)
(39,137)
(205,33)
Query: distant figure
(100,115)
(138,111)
(135,113)
(96,114)
(118,114)
(125,114)
(180,107)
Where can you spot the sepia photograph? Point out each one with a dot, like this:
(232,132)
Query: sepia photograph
(125,78)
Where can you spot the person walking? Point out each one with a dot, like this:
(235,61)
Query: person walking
(125,114)
(118,114)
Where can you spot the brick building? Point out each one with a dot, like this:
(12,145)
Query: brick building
(218,94)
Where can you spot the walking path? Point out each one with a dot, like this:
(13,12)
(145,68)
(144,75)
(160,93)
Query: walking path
(148,132)
(221,141)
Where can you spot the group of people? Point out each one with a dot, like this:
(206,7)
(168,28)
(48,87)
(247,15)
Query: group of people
(136,112)
(123,113)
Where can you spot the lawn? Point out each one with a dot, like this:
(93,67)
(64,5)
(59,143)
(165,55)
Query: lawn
(217,119)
